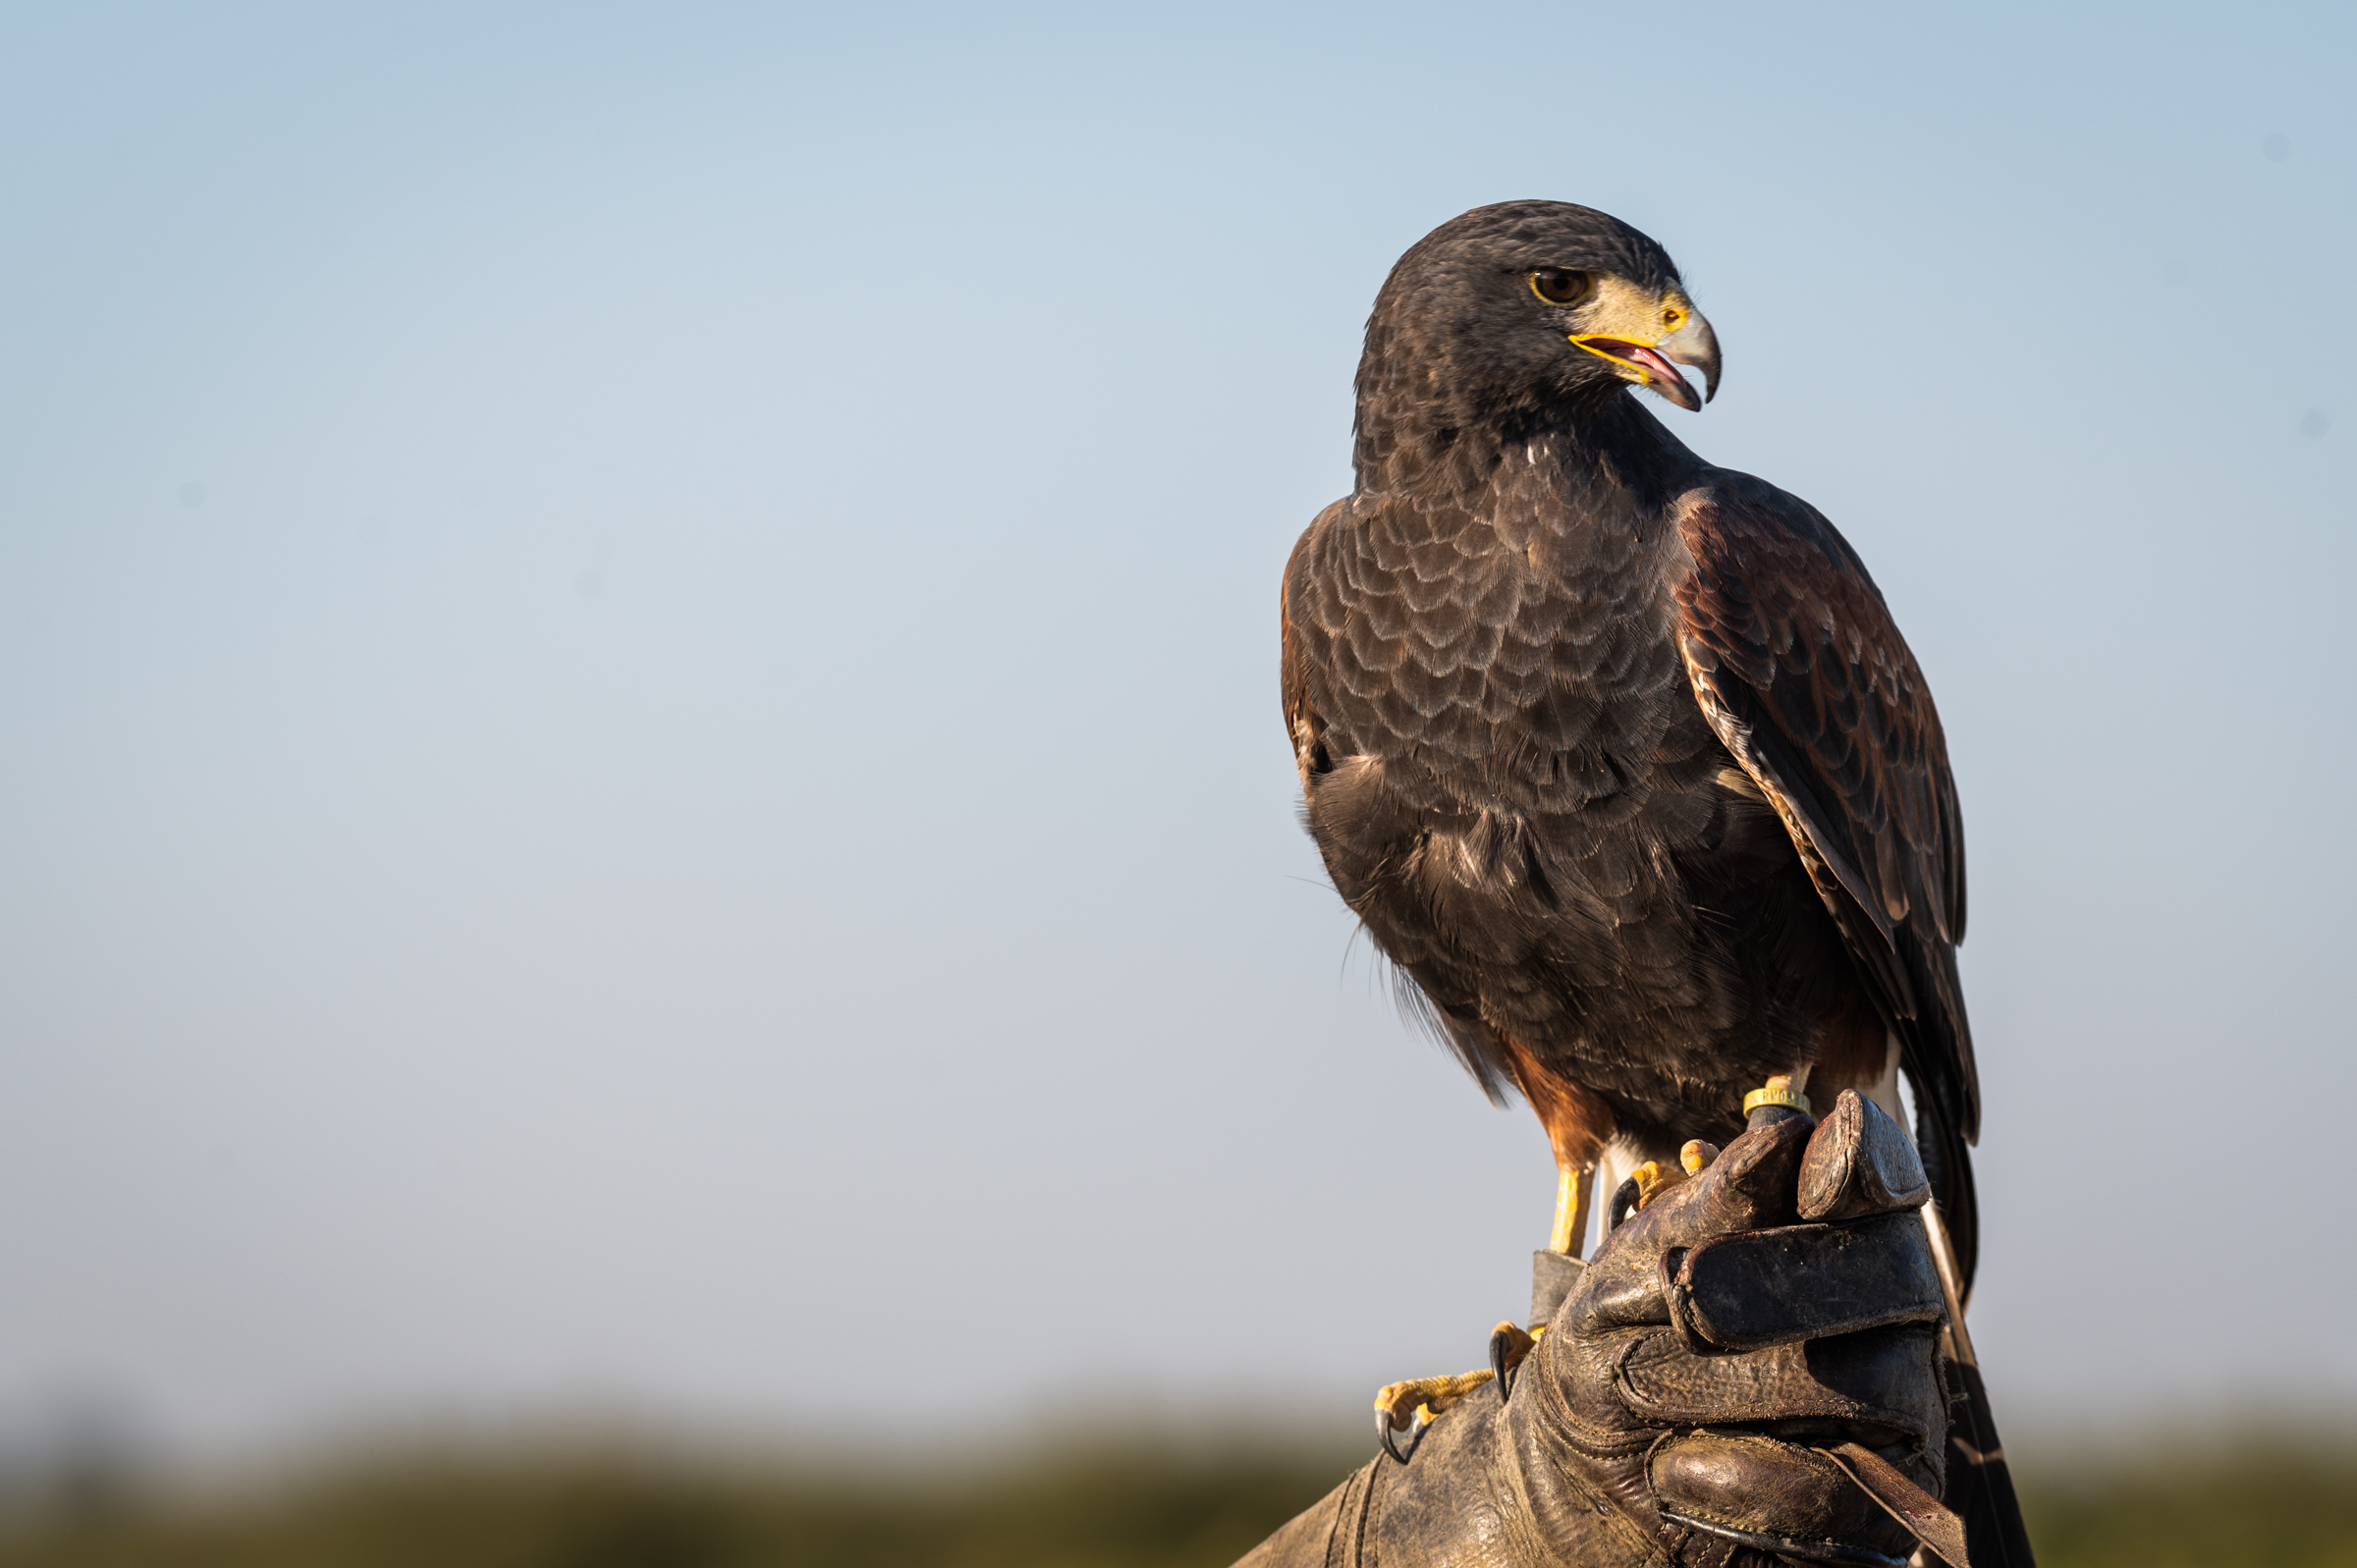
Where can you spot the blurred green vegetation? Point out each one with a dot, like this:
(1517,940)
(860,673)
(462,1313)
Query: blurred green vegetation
(2286,1505)
(1117,1505)
(1127,1504)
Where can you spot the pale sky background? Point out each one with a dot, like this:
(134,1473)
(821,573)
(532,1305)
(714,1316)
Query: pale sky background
(639,746)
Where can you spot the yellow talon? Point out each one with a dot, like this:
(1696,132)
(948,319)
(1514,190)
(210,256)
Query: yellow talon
(1402,1402)
(1652,1180)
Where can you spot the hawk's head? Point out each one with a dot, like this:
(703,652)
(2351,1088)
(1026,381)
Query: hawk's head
(1526,306)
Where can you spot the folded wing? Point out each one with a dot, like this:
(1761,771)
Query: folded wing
(1805,677)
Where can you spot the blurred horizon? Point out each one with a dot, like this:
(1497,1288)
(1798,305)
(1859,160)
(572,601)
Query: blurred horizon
(85,1448)
(1103,1496)
(639,767)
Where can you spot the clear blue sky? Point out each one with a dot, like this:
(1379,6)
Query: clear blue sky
(638,738)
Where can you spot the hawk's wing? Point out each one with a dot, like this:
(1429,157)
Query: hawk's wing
(1302,724)
(1797,663)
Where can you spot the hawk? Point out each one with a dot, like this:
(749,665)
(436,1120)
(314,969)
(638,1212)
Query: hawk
(1619,756)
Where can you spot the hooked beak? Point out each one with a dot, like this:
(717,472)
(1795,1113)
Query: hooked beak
(1656,363)
(1696,345)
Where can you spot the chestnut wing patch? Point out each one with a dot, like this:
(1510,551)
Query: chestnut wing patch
(1803,674)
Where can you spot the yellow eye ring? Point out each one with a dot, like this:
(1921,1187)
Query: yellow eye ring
(1559,286)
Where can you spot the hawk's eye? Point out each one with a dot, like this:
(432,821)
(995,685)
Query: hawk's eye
(1558,286)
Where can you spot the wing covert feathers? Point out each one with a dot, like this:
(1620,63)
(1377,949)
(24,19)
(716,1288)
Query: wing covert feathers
(1804,675)
(1302,724)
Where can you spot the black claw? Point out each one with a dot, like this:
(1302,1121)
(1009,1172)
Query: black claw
(1389,1439)
(1624,1200)
(1499,1369)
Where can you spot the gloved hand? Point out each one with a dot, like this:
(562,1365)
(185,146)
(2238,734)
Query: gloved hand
(1717,1346)
(1742,1359)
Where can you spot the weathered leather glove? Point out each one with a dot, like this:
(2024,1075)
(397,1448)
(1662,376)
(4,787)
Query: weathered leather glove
(1743,1360)
(1718,1346)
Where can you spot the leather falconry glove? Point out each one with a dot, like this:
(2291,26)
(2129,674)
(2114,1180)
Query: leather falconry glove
(1726,1386)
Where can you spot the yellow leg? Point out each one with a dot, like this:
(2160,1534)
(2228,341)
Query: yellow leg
(1574,1191)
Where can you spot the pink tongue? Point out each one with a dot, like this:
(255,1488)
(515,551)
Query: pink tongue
(1660,368)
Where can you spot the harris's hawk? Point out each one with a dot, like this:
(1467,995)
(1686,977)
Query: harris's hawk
(1618,756)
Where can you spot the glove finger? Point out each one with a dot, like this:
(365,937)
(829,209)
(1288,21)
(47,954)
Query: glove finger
(1758,1288)
(1859,1162)
(1775,1497)
(1751,1183)
(1882,1385)
(1749,1186)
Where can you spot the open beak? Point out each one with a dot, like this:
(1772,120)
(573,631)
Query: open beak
(1656,364)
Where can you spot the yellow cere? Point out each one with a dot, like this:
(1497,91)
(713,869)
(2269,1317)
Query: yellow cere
(1617,308)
